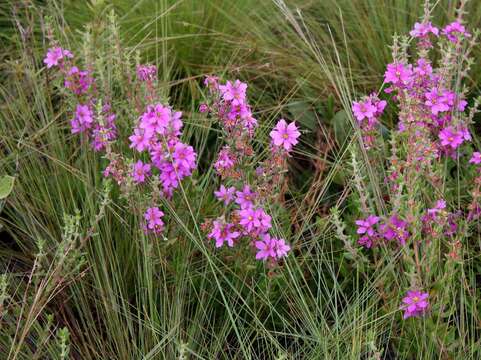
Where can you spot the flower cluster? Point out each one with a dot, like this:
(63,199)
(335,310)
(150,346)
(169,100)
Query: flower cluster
(146,72)
(373,232)
(153,218)
(56,57)
(427,94)
(245,195)
(91,117)
(433,127)
(157,132)
(367,111)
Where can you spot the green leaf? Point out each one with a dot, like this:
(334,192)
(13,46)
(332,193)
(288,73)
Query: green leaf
(6,185)
(303,114)
(342,126)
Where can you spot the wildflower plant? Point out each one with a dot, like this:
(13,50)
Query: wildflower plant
(157,160)
(419,216)
(246,191)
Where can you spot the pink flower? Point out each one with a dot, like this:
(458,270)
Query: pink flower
(212,82)
(453,30)
(54,55)
(203,108)
(146,72)
(398,74)
(140,171)
(225,194)
(223,232)
(225,160)
(234,92)
(415,303)
(270,247)
(476,158)
(439,102)
(153,217)
(285,135)
(246,197)
(395,229)
(451,137)
(141,139)
(423,68)
(281,248)
(439,206)
(366,228)
(266,248)
(156,119)
(168,176)
(423,30)
(83,119)
(254,220)
(78,81)
(184,158)
(363,109)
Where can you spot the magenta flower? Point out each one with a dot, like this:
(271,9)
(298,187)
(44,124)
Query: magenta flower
(264,220)
(270,247)
(395,229)
(423,30)
(423,68)
(415,303)
(184,158)
(439,206)
(146,72)
(55,55)
(203,108)
(285,135)
(266,248)
(254,220)
(281,248)
(225,160)
(78,81)
(366,228)
(454,30)
(439,102)
(363,109)
(398,74)
(225,194)
(476,158)
(156,119)
(234,92)
(246,197)
(212,82)
(222,233)
(141,139)
(153,217)
(248,219)
(169,177)
(83,119)
(450,137)
(140,171)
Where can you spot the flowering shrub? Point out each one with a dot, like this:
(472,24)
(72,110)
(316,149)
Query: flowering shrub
(246,193)
(413,217)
